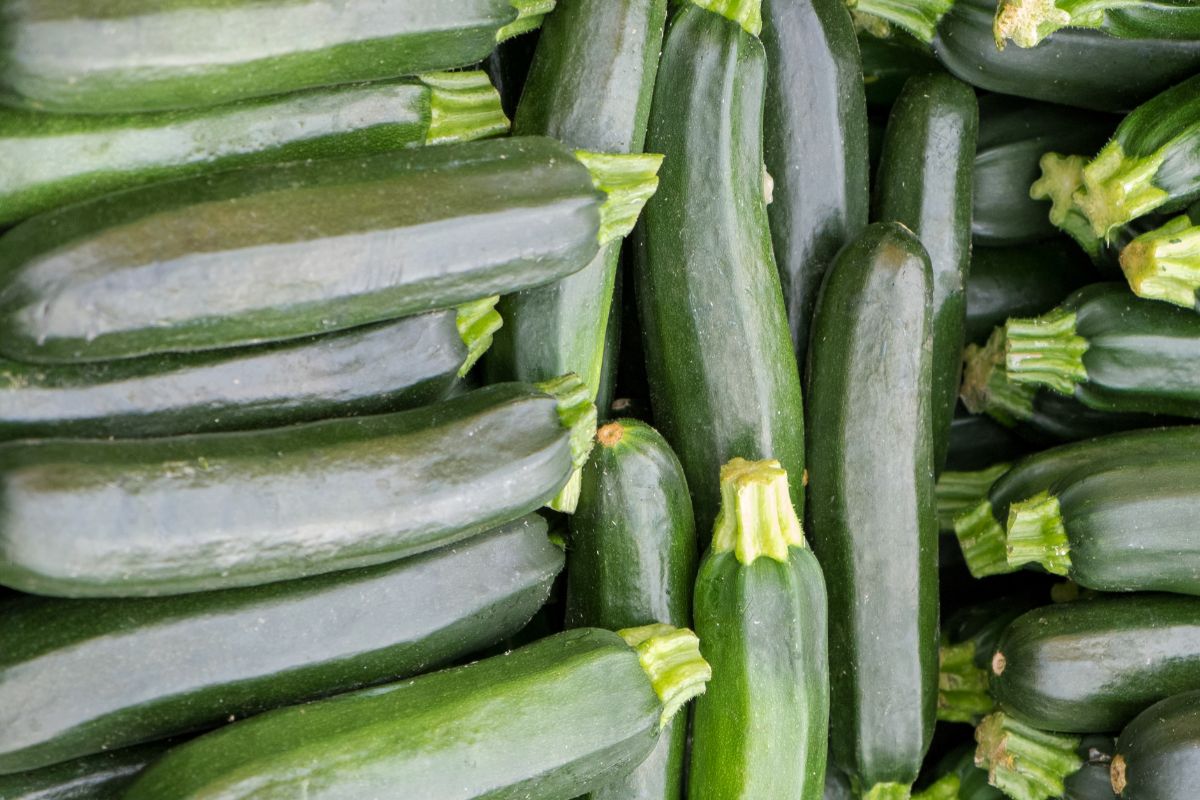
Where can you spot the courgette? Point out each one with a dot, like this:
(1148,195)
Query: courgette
(136,518)
(890,61)
(872,516)
(134,56)
(761,728)
(1019,282)
(385,367)
(1157,752)
(631,561)
(508,726)
(104,776)
(1027,22)
(969,638)
(925,182)
(723,379)
(282,251)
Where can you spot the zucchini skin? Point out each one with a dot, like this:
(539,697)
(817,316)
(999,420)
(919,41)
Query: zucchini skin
(282,251)
(134,518)
(872,513)
(139,55)
(815,146)
(1093,665)
(104,776)
(1021,281)
(888,63)
(1157,751)
(722,375)
(87,680)
(925,182)
(631,561)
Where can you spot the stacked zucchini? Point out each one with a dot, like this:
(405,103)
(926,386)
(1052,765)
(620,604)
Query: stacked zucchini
(356,442)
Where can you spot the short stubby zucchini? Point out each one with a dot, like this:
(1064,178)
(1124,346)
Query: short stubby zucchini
(219,510)
(104,776)
(1019,282)
(1156,756)
(507,726)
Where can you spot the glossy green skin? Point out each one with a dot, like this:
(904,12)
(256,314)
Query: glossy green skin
(815,146)
(1155,19)
(1093,780)
(1021,282)
(888,63)
(925,182)
(79,678)
(1013,136)
(631,562)
(57,159)
(760,728)
(978,441)
(1160,750)
(1056,418)
(1093,665)
(80,57)
(545,722)
(872,516)
(380,368)
(590,86)
(282,251)
(104,776)
(1161,123)
(723,378)
(1079,67)
(135,518)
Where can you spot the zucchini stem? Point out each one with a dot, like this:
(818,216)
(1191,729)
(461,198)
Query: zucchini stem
(671,658)
(1036,534)
(888,791)
(963,694)
(1024,762)
(959,491)
(629,181)
(1045,351)
(756,516)
(986,388)
(982,541)
(463,106)
(918,17)
(1062,178)
(477,323)
(577,413)
(944,788)
(1118,189)
(1164,264)
(747,13)
(1027,22)
(530,14)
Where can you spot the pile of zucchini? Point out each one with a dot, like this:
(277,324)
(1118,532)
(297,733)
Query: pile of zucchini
(609,399)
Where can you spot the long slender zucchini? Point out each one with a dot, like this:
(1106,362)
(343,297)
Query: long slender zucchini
(104,776)
(1028,22)
(386,367)
(872,515)
(1157,752)
(282,251)
(925,183)
(888,62)
(815,127)
(761,729)
(723,378)
(219,510)
(631,561)
(508,726)
(77,57)
(1019,282)
(55,159)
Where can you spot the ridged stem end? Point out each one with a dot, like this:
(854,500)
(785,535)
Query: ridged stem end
(1027,22)
(747,13)
(944,788)
(463,107)
(1118,189)
(962,687)
(1036,534)
(982,541)
(756,516)
(530,14)
(1164,264)
(671,658)
(1023,762)
(477,324)
(1045,351)
(918,17)
(888,791)
(628,181)
(1062,178)
(577,413)
(986,388)
(959,491)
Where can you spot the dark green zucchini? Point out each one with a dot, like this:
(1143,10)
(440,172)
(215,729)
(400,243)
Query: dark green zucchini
(968,640)
(925,183)
(1028,22)
(386,367)
(282,251)
(631,561)
(815,147)
(1020,282)
(889,61)
(722,375)
(872,515)
(79,57)
(761,730)
(104,776)
(978,441)
(508,726)
(1157,752)
(1093,780)
(219,510)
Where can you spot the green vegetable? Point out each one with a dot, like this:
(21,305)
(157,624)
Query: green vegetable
(968,641)
(1028,22)
(1019,282)
(761,730)
(958,491)
(1023,762)
(1161,263)
(1157,752)
(887,63)
(972,781)
(545,722)
(105,776)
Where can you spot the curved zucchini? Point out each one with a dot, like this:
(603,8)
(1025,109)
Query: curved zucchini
(143,55)
(1019,282)
(136,518)
(761,729)
(508,726)
(1157,752)
(872,515)
(1027,22)
(282,251)
(925,183)
(104,776)
(815,146)
(722,375)
(887,63)
(631,561)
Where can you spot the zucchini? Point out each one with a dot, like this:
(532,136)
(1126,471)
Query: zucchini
(631,561)
(282,251)
(1019,282)
(890,61)
(761,729)
(133,56)
(978,441)
(135,518)
(872,515)
(1024,762)
(1027,22)
(508,726)
(815,146)
(104,776)
(968,640)
(385,367)
(107,674)
(957,491)
(1091,782)
(1161,262)
(722,375)
(925,183)
(1157,752)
